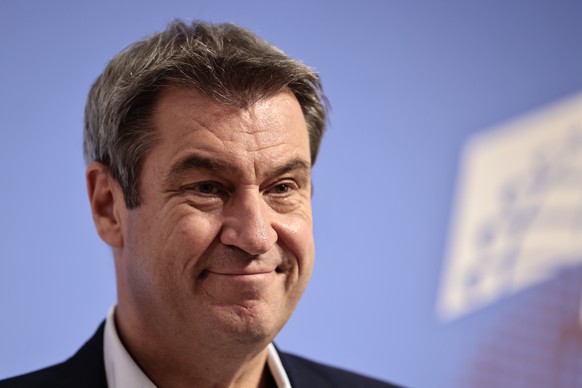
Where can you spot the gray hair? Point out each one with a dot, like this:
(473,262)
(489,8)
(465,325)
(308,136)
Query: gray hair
(225,62)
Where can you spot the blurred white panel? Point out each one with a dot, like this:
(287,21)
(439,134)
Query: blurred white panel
(518,214)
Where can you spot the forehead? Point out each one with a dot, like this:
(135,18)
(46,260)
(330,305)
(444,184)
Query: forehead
(267,131)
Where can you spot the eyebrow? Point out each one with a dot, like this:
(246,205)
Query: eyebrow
(292,165)
(197,162)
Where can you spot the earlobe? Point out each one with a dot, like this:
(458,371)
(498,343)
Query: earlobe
(105,198)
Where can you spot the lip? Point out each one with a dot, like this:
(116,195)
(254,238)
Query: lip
(241,274)
(241,280)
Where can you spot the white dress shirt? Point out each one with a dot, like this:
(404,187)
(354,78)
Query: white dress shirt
(123,372)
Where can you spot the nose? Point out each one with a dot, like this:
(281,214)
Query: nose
(247,223)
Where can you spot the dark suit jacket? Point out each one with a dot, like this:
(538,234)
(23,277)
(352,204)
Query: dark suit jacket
(86,369)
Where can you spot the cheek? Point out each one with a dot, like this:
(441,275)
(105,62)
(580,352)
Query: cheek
(190,235)
(296,237)
(168,247)
(296,234)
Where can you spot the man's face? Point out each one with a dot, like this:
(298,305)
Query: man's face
(221,244)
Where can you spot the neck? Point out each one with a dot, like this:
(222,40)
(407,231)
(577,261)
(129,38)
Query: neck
(180,360)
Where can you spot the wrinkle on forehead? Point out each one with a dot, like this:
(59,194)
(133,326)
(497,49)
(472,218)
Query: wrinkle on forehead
(201,102)
(268,131)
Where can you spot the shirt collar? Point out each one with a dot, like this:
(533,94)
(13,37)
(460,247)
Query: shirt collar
(122,371)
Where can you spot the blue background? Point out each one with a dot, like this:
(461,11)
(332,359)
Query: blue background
(408,82)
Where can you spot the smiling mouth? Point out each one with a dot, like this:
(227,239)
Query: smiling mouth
(242,273)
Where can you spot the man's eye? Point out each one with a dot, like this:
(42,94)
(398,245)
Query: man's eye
(282,188)
(207,188)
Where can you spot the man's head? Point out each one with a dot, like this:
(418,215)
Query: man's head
(230,65)
(200,142)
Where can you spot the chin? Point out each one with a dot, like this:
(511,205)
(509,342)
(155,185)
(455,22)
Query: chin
(250,324)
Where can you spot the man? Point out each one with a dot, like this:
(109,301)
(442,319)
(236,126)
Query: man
(199,143)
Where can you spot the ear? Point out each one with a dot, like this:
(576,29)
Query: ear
(107,204)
